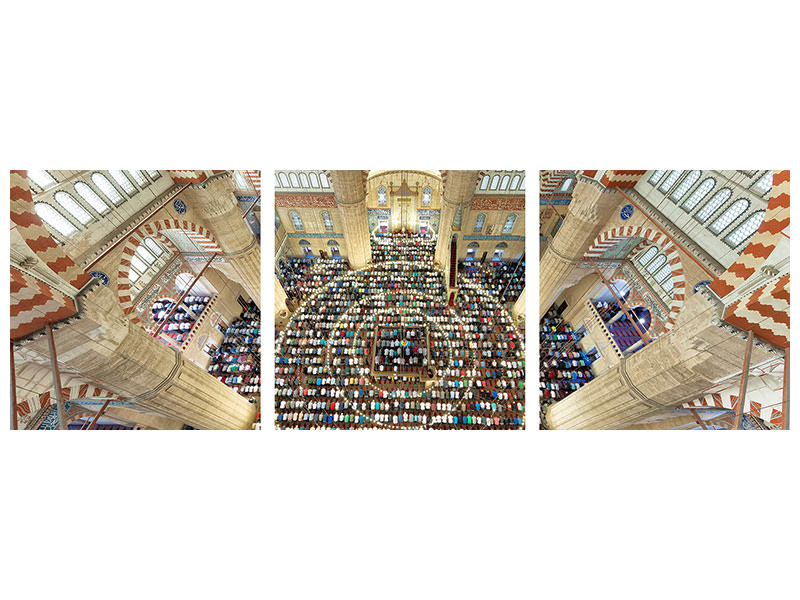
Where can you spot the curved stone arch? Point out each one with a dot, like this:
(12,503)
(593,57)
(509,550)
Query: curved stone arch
(611,239)
(156,229)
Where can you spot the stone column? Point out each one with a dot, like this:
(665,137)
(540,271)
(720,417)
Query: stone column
(106,347)
(558,267)
(458,190)
(280,296)
(351,197)
(518,310)
(223,217)
(679,366)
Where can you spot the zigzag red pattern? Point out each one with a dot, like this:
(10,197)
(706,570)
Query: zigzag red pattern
(36,235)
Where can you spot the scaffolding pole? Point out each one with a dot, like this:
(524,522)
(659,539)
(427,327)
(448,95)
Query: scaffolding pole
(621,303)
(785,404)
(99,414)
(14,423)
(62,421)
(748,350)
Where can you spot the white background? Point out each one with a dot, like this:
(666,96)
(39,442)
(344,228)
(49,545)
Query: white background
(377,514)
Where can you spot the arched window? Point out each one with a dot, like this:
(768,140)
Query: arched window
(510,220)
(153,174)
(656,176)
(145,254)
(670,181)
(479,222)
(109,191)
(522,185)
(284,180)
(123,182)
(504,183)
(473,245)
(41,178)
(667,285)
(495,182)
(133,276)
(138,177)
(381,196)
(663,273)
(648,255)
(700,192)
(686,185)
(277,181)
(314,180)
(485,182)
(746,229)
(68,203)
(54,219)
(323,180)
(566,185)
(304,180)
(138,264)
(327,221)
(241,182)
(733,212)
(296,221)
(656,264)
(712,205)
(91,198)
(514,183)
(293,180)
(426,197)
(764,184)
(153,246)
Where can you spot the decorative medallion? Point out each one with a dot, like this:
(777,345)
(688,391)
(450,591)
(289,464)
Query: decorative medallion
(626,212)
(100,275)
(179,206)
(699,283)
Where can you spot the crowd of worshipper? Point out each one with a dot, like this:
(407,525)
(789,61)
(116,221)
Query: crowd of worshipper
(181,321)
(504,279)
(301,276)
(400,350)
(380,348)
(564,366)
(237,361)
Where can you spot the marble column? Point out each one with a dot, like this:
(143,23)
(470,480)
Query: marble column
(280,296)
(106,347)
(518,310)
(458,190)
(589,210)
(351,197)
(679,366)
(223,218)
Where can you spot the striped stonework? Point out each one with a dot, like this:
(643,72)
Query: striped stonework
(621,179)
(183,177)
(762,243)
(156,229)
(765,312)
(606,242)
(550,181)
(772,414)
(34,304)
(36,235)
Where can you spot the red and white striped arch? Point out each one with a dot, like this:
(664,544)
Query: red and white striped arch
(618,235)
(157,229)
